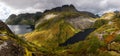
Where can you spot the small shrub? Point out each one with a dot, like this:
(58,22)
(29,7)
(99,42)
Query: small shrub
(117,38)
(99,23)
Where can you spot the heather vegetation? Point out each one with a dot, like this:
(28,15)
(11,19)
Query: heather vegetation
(100,22)
(59,32)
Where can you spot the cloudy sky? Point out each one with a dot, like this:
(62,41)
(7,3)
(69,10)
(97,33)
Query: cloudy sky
(8,7)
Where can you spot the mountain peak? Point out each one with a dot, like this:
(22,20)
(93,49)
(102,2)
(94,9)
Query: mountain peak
(62,8)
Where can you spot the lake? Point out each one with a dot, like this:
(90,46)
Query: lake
(20,29)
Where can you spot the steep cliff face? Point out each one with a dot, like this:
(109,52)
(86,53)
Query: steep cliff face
(81,22)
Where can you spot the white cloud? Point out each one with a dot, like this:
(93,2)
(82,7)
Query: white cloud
(88,5)
(103,3)
(4,11)
(23,6)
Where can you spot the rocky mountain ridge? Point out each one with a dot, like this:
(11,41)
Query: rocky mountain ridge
(32,18)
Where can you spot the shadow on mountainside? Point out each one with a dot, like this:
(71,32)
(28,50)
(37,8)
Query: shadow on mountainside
(78,37)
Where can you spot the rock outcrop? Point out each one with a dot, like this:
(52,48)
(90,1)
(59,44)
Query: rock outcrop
(8,45)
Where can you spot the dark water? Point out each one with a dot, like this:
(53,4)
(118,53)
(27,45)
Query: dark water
(78,37)
(20,29)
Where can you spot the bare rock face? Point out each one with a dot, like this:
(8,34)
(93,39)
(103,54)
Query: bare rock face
(9,48)
(9,45)
(81,22)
